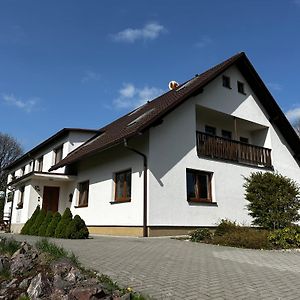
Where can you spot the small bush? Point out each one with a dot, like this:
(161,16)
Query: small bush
(8,246)
(46,222)
(244,238)
(34,229)
(274,200)
(225,226)
(50,231)
(60,231)
(54,251)
(77,229)
(200,234)
(285,238)
(30,222)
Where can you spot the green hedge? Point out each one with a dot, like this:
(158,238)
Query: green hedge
(66,218)
(34,229)
(30,222)
(53,224)
(45,224)
(77,229)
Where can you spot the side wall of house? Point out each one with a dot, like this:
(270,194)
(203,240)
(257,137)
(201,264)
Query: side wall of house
(102,210)
(173,149)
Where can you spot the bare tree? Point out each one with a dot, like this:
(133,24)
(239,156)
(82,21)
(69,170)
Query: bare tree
(10,150)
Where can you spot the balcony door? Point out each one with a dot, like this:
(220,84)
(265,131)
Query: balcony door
(50,198)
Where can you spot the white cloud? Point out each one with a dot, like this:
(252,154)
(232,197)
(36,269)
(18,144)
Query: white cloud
(90,76)
(275,86)
(150,31)
(26,105)
(204,41)
(293,114)
(132,97)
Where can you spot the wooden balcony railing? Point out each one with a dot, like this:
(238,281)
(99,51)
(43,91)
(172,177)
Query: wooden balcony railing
(220,148)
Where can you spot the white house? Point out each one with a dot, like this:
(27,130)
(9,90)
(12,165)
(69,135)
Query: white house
(175,163)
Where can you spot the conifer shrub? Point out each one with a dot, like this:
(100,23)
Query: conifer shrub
(50,231)
(274,200)
(77,229)
(46,222)
(225,226)
(30,222)
(34,229)
(60,231)
(201,234)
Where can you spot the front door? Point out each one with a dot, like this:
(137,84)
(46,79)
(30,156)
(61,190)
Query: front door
(50,198)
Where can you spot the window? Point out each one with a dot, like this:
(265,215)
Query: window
(226,134)
(10,196)
(226,81)
(241,87)
(40,164)
(210,130)
(22,171)
(83,188)
(58,154)
(21,197)
(198,185)
(123,186)
(244,140)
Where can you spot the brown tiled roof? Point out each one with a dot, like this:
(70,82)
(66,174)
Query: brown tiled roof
(150,113)
(54,138)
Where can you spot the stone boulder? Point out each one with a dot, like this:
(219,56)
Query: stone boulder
(39,288)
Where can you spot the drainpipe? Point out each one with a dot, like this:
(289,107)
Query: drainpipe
(145,229)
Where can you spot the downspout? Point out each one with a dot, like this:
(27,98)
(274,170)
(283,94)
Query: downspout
(145,162)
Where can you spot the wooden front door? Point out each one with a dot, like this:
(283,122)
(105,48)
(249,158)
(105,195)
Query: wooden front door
(50,198)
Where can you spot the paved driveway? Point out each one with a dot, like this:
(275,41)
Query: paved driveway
(170,269)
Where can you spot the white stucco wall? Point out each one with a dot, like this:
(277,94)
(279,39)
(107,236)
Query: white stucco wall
(172,150)
(100,171)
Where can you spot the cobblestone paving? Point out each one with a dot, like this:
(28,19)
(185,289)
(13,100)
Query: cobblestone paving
(165,268)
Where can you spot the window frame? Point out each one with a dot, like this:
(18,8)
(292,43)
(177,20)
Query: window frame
(224,132)
(208,127)
(124,198)
(241,87)
(80,193)
(21,197)
(56,151)
(226,81)
(198,199)
(40,163)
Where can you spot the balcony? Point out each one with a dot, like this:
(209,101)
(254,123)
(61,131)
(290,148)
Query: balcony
(216,147)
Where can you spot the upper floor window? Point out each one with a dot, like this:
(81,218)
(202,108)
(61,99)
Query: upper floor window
(22,171)
(226,81)
(58,154)
(40,164)
(226,134)
(244,140)
(210,130)
(123,186)
(198,186)
(241,87)
(83,188)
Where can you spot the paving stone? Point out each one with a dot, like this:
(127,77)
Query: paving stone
(170,269)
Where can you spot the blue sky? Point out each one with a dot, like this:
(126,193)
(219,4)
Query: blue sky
(85,63)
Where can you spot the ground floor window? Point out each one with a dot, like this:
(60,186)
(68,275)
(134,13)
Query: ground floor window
(123,186)
(198,185)
(83,188)
(21,197)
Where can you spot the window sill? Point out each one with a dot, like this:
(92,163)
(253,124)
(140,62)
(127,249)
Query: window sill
(119,201)
(21,207)
(202,203)
(80,206)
